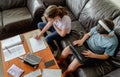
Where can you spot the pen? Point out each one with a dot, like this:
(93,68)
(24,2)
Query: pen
(8,50)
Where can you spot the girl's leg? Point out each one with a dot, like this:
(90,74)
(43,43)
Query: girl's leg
(64,54)
(51,37)
(72,67)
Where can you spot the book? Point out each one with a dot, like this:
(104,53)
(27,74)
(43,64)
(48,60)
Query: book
(15,71)
(12,47)
(10,42)
(52,73)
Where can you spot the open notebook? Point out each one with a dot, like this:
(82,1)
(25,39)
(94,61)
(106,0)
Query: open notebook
(12,47)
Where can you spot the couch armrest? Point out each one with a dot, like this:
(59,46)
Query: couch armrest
(36,7)
(115,73)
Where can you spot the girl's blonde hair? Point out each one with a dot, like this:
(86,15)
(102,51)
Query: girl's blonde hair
(53,11)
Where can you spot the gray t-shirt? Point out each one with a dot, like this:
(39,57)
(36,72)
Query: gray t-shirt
(100,44)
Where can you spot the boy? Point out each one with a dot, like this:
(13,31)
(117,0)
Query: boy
(101,41)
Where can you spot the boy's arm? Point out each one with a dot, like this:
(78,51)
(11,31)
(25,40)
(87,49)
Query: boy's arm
(81,41)
(90,54)
(85,37)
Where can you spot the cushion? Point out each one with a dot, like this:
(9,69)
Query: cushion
(7,4)
(53,2)
(15,19)
(95,10)
(76,6)
(72,16)
(115,73)
(76,33)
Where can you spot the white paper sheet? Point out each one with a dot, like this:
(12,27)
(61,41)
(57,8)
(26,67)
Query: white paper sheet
(13,52)
(52,73)
(33,73)
(37,45)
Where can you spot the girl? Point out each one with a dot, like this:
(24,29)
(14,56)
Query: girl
(59,24)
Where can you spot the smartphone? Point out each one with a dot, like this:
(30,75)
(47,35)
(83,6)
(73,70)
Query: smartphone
(49,63)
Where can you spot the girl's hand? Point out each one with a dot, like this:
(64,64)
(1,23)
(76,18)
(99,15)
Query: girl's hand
(88,53)
(38,36)
(78,42)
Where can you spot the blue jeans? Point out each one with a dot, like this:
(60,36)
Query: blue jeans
(52,36)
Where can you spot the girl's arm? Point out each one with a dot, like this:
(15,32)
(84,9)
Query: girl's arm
(47,26)
(62,32)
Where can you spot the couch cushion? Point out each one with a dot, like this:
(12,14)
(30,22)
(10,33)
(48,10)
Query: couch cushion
(72,16)
(7,4)
(36,7)
(95,10)
(15,19)
(77,33)
(76,6)
(96,70)
(53,2)
(115,73)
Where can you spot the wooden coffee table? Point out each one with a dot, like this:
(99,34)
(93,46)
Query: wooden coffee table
(45,54)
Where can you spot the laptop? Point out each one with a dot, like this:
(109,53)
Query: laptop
(32,60)
(77,50)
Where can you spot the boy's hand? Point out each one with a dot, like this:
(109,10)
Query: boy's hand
(88,53)
(78,42)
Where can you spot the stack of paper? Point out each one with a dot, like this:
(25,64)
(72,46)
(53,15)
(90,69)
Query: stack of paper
(52,73)
(34,73)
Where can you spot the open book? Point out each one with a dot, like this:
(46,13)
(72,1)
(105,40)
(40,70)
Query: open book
(12,47)
(10,42)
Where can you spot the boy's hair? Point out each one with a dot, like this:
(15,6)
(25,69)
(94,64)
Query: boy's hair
(53,11)
(108,23)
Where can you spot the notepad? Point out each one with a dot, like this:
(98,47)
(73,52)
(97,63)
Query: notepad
(37,45)
(15,71)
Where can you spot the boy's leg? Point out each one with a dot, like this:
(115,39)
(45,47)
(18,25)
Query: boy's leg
(72,67)
(64,54)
